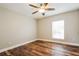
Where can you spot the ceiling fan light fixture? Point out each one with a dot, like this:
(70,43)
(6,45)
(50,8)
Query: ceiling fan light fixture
(41,10)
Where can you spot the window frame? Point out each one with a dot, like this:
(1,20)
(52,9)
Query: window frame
(53,34)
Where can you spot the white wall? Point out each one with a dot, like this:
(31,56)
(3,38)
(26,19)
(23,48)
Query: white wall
(71,26)
(15,28)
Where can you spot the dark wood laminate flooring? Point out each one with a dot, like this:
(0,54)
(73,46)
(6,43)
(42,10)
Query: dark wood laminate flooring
(43,48)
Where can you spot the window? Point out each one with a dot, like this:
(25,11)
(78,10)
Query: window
(58,29)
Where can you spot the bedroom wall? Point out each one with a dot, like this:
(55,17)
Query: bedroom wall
(15,28)
(71,26)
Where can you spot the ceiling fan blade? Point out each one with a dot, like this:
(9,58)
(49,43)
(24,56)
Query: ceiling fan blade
(45,4)
(34,12)
(43,14)
(50,9)
(33,6)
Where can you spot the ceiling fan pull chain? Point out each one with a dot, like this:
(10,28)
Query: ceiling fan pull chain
(43,14)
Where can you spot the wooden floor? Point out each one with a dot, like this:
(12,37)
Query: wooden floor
(43,48)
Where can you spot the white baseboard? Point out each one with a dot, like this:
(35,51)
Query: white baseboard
(67,43)
(8,48)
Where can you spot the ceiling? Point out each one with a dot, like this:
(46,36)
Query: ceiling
(25,9)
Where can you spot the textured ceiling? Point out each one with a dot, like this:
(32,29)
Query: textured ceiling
(25,9)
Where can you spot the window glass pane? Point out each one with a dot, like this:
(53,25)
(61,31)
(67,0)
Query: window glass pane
(58,29)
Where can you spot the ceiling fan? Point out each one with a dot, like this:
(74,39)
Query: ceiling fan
(42,8)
